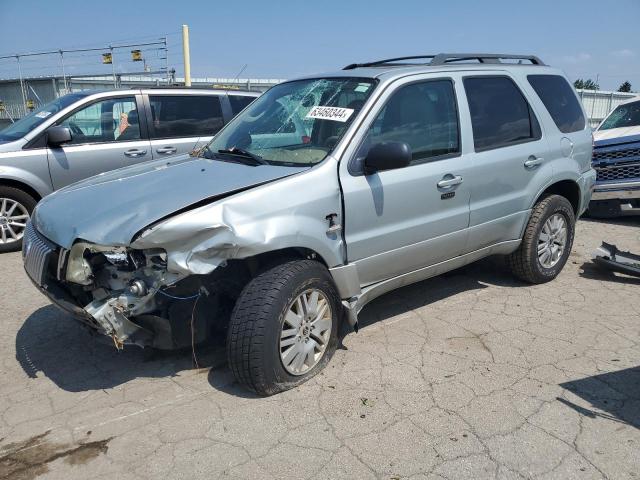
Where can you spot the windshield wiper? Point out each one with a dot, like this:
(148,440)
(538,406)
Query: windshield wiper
(245,154)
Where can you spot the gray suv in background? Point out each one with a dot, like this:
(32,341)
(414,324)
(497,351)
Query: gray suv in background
(86,133)
(323,194)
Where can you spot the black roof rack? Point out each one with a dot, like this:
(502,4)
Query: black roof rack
(445,58)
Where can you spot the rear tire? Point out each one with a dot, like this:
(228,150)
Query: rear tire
(266,352)
(545,249)
(16,207)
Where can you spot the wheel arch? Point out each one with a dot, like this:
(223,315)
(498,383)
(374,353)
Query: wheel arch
(25,187)
(566,188)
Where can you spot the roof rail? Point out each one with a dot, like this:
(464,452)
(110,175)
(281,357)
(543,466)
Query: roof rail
(445,58)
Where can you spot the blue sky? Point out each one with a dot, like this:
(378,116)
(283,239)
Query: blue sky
(280,39)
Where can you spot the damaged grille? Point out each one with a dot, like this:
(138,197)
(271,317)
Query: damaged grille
(36,251)
(628,154)
(618,172)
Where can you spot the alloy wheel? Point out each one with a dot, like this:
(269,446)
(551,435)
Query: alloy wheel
(306,331)
(552,240)
(13,220)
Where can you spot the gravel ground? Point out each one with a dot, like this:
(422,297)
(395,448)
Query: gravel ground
(468,375)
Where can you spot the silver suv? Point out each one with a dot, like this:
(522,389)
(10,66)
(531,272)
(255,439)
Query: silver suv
(85,133)
(324,193)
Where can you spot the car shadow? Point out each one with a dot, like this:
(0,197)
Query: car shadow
(52,344)
(487,272)
(594,272)
(617,394)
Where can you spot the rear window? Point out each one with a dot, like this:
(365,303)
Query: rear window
(185,116)
(500,115)
(560,101)
(238,102)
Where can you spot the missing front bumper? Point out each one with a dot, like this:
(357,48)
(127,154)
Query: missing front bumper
(608,256)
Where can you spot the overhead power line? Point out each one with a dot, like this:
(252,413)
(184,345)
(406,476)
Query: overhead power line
(96,49)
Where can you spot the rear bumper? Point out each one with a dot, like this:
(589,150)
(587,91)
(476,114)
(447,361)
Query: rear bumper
(586,181)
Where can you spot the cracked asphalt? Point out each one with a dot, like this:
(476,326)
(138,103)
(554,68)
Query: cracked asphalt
(468,375)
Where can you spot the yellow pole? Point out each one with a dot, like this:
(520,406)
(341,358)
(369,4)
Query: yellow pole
(186,56)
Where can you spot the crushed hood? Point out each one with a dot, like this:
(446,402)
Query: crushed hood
(109,209)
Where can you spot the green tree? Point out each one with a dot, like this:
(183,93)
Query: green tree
(625,87)
(587,84)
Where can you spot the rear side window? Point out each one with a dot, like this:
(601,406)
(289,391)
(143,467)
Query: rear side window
(560,100)
(238,102)
(500,115)
(185,116)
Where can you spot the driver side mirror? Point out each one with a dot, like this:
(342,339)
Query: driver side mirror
(387,156)
(58,135)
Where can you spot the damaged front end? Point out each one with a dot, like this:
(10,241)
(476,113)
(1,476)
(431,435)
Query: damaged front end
(168,277)
(119,283)
(124,293)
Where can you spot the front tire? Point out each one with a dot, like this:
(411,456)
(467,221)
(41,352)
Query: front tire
(15,209)
(284,327)
(547,241)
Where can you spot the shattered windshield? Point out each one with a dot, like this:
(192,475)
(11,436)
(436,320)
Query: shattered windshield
(627,115)
(294,123)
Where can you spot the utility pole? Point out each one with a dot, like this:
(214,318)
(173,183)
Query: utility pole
(64,76)
(593,105)
(166,60)
(113,68)
(186,56)
(24,97)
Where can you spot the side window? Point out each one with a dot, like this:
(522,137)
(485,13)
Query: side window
(238,102)
(185,115)
(423,115)
(500,115)
(560,101)
(112,120)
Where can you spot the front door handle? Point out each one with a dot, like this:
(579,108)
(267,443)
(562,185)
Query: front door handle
(450,182)
(533,161)
(167,150)
(134,153)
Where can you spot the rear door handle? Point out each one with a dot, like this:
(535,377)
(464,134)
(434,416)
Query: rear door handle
(134,152)
(450,182)
(167,150)
(532,162)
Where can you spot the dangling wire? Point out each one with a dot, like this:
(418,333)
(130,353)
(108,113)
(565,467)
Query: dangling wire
(178,298)
(193,336)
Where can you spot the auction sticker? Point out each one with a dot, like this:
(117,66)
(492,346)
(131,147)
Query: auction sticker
(336,114)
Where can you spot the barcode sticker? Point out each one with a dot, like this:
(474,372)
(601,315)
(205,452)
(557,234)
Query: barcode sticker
(336,114)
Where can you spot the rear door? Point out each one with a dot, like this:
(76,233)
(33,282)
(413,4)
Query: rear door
(107,134)
(509,165)
(180,122)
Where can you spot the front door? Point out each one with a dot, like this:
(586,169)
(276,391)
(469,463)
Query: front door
(401,220)
(106,135)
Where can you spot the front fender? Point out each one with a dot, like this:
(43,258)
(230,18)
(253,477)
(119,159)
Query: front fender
(288,213)
(25,177)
